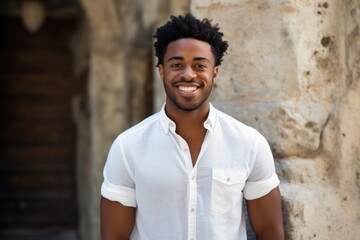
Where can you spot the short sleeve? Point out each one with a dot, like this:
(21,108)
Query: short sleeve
(262,178)
(118,182)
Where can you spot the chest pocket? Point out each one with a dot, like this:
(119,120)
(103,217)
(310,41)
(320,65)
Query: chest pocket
(226,189)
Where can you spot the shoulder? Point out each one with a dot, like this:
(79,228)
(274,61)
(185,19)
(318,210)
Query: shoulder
(145,127)
(238,132)
(235,126)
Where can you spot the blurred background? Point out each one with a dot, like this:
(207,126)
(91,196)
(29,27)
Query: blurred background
(38,133)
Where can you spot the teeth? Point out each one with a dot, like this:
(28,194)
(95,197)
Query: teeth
(187,89)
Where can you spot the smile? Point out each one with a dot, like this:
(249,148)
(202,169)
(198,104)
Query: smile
(187,89)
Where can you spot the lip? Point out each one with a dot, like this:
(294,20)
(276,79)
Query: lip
(188,89)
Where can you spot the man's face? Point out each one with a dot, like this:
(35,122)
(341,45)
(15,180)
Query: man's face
(188,73)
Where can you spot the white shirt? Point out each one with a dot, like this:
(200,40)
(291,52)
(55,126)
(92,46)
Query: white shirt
(149,167)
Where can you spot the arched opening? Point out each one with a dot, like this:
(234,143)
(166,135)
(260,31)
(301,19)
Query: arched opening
(38,133)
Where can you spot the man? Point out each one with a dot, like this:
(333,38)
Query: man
(182,173)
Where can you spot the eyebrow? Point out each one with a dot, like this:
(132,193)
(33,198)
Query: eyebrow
(195,59)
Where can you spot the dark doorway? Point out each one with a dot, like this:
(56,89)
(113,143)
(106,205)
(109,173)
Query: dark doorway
(37,133)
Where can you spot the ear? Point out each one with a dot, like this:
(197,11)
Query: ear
(215,72)
(161,71)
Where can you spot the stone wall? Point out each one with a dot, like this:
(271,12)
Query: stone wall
(292,72)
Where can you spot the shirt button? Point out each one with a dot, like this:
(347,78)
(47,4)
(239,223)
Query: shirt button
(228,179)
(192,210)
(185,150)
(193,178)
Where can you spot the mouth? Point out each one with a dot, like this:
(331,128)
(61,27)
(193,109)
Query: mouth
(187,89)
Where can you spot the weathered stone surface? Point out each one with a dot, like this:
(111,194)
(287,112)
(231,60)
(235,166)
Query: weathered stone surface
(292,72)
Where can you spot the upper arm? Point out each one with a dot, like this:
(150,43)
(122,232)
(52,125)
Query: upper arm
(266,216)
(118,200)
(116,220)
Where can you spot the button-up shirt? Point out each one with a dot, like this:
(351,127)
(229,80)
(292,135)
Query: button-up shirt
(149,167)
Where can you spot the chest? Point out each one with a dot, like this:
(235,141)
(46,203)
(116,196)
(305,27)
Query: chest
(172,166)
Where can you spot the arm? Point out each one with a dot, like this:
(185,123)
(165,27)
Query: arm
(116,220)
(266,216)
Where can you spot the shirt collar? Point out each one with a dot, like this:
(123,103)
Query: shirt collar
(209,123)
(167,124)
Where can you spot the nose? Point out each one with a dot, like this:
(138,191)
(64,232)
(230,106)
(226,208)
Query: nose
(188,74)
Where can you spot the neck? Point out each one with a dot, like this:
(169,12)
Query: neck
(190,125)
(188,121)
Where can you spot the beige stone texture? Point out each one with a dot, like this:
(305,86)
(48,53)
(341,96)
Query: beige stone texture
(292,72)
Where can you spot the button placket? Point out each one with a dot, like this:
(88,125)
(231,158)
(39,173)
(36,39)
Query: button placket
(184,148)
(192,205)
(192,183)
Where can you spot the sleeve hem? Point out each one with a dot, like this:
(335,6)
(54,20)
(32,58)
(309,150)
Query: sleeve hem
(254,190)
(123,195)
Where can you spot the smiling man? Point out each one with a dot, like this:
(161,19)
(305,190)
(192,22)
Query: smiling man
(183,172)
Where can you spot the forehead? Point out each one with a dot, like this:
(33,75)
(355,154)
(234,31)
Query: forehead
(189,48)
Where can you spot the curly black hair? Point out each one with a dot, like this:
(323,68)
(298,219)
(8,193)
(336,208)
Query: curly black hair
(187,26)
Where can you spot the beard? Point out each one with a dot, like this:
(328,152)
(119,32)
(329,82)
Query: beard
(187,105)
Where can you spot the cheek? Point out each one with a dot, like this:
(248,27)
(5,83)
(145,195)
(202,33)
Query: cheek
(210,76)
(169,76)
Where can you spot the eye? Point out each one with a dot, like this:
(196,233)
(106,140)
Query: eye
(200,66)
(175,65)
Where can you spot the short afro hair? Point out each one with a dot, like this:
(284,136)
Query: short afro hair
(187,26)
